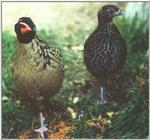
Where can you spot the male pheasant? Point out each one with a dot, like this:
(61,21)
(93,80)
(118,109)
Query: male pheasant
(105,50)
(37,68)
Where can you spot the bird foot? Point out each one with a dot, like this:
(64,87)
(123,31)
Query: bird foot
(103,102)
(43,128)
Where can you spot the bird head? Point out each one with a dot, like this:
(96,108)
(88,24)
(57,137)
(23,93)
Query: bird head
(107,12)
(25,30)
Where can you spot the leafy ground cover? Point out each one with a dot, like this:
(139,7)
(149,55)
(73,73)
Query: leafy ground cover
(78,116)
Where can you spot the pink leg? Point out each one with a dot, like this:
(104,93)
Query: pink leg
(43,128)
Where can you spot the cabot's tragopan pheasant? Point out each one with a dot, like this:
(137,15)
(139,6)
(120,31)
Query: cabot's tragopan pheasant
(105,49)
(37,68)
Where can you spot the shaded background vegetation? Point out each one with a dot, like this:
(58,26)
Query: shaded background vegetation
(76,108)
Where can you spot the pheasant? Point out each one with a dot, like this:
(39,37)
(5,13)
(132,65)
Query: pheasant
(105,49)
(37,68)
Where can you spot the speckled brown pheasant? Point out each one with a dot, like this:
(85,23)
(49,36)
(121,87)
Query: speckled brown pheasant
(37,68)
(105,49)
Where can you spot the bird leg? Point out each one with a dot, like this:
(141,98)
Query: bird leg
(102,95)
(43,128)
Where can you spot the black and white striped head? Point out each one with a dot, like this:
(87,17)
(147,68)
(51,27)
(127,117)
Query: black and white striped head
(25,30)
(107,13)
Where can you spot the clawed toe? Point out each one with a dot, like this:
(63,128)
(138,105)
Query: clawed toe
(41,130)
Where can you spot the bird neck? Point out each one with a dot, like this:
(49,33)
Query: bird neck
(104,20)
(24,46)
(105,27)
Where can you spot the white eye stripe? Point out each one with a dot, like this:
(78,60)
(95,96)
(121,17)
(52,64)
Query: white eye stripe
(24,24)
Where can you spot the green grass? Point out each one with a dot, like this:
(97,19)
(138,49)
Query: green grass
(130,117)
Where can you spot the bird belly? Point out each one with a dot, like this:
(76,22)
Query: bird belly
(103,61)
(30,82)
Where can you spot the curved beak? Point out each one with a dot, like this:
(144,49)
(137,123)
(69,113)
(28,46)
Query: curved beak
(118,13)
(34,29)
